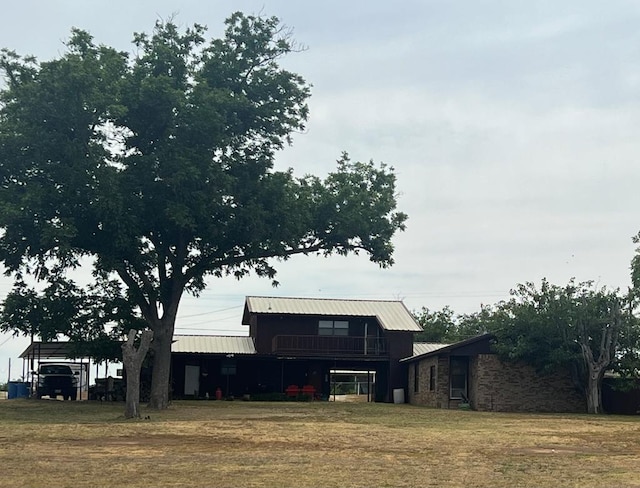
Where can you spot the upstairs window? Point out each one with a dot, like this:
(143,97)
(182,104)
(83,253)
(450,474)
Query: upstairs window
(333,327)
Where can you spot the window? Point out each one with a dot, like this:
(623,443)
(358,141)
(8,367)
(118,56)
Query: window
(458,378)
(432,378)
(416,377)
(228,367)
(333,327)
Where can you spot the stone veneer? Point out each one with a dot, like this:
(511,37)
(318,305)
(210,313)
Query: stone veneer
(508,387)
(496,386)
(438,398)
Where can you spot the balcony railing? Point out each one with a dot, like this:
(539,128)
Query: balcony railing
(329,345)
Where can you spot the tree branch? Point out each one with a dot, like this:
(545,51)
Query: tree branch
(148,312)
(204,265)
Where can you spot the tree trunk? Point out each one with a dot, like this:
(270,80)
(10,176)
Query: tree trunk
(161,366)
(610,329)
(594,391)
(132,360)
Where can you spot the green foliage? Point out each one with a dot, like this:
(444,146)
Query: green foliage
(158,169)
(93,319)
(577,328)
(443,326)
(436,325)
(161,166)
(545,327)
(268,397)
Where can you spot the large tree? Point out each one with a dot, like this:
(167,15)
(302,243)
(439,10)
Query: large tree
(157,168)
(575,327)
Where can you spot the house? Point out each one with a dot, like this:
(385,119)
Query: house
(467,372)
(298,341)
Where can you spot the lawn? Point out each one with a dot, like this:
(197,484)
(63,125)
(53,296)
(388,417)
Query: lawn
(229,444)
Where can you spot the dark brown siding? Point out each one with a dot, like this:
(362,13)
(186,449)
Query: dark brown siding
(270,326)
(400,347)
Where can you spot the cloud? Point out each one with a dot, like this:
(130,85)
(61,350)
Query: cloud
(511,125)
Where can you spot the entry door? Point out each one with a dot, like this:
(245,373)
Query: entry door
(191,380)
(458,380)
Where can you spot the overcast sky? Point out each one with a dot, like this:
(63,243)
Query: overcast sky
(511,125)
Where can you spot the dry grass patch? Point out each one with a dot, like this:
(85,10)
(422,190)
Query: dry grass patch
(310,445)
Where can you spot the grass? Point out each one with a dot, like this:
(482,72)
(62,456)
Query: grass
(224,444)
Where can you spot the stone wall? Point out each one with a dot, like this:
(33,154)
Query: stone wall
(438,397)
(496,386)
(507,387)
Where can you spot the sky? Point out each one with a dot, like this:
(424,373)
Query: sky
(511,126)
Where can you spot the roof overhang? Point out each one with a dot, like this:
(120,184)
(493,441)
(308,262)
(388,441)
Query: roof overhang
(451,348)
(51,350)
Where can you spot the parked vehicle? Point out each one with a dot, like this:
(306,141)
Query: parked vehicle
(57,379)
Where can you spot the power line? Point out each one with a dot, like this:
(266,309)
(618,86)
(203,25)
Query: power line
(208,329)
(6,340)
(218,320)
(208,313)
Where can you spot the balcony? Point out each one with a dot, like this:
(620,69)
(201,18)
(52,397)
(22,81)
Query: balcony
(305,345)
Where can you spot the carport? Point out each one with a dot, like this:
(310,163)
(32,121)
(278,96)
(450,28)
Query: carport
(40,352)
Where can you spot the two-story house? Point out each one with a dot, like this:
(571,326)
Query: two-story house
(299,341)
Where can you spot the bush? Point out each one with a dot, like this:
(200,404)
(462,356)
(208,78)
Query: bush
(268,397)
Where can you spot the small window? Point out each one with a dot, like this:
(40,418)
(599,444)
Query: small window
(416,377)
(228,367)
(432,378)
(333,327)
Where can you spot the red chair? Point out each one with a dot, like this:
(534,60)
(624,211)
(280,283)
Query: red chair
(309,390)
(292,391)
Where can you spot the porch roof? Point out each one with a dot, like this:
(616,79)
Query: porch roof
(208,344)
(420,348)
(391,315)
(52,350)
(446,348)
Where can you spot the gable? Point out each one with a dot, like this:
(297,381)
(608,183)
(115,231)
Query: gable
(391,315)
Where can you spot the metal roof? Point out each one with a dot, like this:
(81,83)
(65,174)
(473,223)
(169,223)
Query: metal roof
(392,315)
(181,343)
(51,350)
(207,344)
(447,348)
(420,348)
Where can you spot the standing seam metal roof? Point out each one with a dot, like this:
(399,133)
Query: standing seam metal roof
(204,344)
(420,348)
(392,315)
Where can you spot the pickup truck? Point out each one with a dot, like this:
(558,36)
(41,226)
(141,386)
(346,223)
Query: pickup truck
(57,379)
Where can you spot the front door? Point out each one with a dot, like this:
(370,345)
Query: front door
(191,380)
(458,378)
